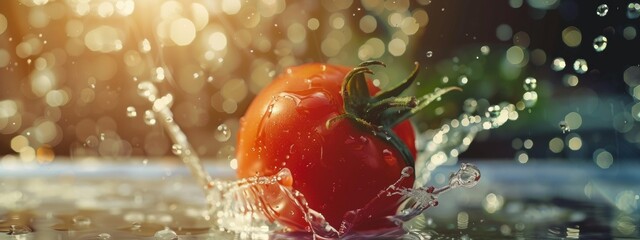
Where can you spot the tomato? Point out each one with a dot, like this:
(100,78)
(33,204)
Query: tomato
(338,160)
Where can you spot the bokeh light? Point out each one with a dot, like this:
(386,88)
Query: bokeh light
(79,68)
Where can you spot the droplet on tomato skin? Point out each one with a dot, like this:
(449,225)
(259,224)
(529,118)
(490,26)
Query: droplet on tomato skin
(311,101)
(388,157)
(356,143)
(292,149)
(308,82)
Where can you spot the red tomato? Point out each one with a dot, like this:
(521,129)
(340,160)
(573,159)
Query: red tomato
(338,167)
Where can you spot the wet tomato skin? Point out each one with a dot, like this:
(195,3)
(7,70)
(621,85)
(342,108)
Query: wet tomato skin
(339,168)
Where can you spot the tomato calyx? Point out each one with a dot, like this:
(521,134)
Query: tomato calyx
(380,113)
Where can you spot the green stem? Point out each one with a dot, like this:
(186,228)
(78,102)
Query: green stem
(397,90)
(380,113)
(422,103)
(376,109)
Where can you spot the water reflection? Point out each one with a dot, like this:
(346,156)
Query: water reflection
(506,204)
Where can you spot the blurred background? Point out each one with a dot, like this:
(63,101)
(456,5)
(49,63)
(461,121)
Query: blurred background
(74,74)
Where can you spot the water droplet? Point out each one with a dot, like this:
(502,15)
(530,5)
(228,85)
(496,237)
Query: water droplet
(162,103)
(602,10)
(470,105)
(467,176)
(530,84)
(91,141)
(149,118)
(177,149)
(580,66)
(493,111)
(407,172)
(463,80)
(564,127)
(558,64)
(81,221)
(147,90)
(92,83)
(284,177)
(18,230)
(136,226)
(165,234)
(145,46)
(309,101)
(429,54)
(222,133)
(159,74)
(530,98)
(600,43)
(388,157)
(234,163)
(485,50)
(633,10)
(104,236)
(131,112)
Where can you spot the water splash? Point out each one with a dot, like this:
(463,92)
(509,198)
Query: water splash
(256,205)
(421,198)
(266,204)
(442,146)
(161,107)
(253,205)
